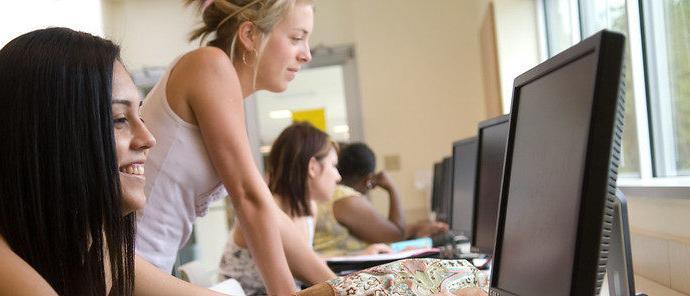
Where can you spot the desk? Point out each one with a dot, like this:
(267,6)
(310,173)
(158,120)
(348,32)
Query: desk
(646,286)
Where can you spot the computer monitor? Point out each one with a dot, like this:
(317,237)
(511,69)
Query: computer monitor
(464,172)
(436,186)
(444,203)
(560,175)
(492,136)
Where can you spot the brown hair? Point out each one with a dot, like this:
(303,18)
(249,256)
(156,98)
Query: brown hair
(288,163)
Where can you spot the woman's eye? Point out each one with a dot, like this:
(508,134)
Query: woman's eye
(120,121)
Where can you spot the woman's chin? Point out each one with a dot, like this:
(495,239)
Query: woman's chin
(132,203)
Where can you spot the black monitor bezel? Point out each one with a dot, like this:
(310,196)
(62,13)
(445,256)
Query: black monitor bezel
(445,201)
(477,179)
(589,266)
(465,232)
(435,185)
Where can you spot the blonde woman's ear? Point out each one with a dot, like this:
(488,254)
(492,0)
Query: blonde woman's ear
(246,35)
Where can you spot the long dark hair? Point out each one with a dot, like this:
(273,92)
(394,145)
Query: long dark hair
(60,199)
(288,163)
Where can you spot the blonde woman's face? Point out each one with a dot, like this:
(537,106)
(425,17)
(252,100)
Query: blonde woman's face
(132,139)
(287,49)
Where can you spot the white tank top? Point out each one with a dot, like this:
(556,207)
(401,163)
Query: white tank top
(181,181)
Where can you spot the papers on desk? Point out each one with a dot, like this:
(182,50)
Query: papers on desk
(229,287)
(385,257)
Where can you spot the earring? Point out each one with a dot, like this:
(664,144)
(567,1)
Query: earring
(244,57)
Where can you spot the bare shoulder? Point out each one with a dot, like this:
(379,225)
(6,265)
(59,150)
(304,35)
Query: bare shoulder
(350,201)
(17,277)
(350,207)
(202,77)
(204,72)
(206,60)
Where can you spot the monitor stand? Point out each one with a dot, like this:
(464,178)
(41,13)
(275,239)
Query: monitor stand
(619,268)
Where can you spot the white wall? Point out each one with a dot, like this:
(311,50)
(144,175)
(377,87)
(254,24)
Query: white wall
(518,42)
(19,17)
(421,87)
(660,235)
(150,32)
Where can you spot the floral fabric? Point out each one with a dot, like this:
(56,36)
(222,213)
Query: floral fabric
(411,277)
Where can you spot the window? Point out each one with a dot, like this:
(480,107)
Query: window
(656,137)
(667,24)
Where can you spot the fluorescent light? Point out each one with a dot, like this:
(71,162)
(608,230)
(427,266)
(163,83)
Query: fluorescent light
(341,129)
(265,149)
(280,114)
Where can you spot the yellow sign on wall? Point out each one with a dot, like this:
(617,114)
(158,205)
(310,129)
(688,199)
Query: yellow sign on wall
(317,117)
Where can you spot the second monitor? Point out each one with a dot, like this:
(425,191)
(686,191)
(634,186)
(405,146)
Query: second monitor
(492,139)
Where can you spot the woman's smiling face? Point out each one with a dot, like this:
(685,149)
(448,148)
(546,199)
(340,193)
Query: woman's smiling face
(132,139)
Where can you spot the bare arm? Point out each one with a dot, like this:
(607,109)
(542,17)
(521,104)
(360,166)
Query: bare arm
(395,212)
(364,222)
(206,78)
(151,281)
(17,277)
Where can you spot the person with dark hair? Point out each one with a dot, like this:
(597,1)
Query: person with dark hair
(301,170)
(349,223)
(72,170)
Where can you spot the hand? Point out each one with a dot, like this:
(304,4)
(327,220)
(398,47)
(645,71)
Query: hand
(383,180)
(377,249)
(431,228)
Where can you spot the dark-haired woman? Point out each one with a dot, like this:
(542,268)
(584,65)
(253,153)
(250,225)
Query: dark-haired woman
(72,170)
(301,171)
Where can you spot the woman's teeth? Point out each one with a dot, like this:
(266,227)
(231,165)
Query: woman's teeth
(134,169)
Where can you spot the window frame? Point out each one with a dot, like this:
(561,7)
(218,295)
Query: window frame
(653,114)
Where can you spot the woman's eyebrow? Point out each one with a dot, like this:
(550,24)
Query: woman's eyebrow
(123,102)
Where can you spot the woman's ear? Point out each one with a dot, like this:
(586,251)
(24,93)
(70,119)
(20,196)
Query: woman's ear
(370,180)
(247,34)
(313,168)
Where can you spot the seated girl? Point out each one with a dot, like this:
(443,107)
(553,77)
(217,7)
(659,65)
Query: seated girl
(72,170)
(348,223)
(301,169)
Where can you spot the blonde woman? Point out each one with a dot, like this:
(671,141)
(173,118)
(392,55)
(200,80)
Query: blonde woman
(196,113)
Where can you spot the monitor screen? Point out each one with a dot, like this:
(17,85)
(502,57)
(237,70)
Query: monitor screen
(443,212)
(555,188)
(538,213)
(464,171)
(436,186)
(493,135)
